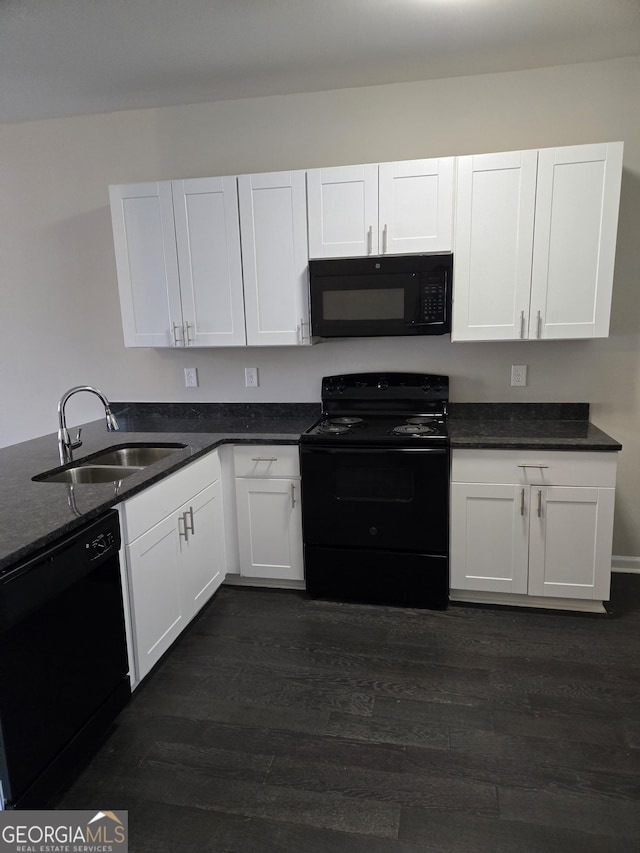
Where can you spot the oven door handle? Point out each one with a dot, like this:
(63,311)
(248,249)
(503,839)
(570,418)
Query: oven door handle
(437,451)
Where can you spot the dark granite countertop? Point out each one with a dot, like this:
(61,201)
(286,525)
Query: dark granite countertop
(34,514)
(522,426)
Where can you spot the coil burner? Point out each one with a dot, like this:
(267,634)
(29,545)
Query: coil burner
(411,429)
(333,429)
(348,422)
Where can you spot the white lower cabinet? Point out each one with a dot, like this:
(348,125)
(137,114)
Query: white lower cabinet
(269,513)
(532,528)
(175,558)
(153,563)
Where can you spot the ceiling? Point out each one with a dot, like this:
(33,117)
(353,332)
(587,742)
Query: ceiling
(71,57)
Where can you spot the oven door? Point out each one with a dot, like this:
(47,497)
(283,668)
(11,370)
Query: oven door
(393,499)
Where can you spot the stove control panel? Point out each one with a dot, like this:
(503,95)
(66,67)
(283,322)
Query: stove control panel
(377,386)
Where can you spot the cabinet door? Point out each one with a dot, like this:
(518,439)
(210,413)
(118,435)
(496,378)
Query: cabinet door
(203,548)
(153,561)
(575,239)
(570,542)
(489,537)
(146,264)
(343,211)
(208,241)
(493,246)
(274,257)
(416,206)
(269,528)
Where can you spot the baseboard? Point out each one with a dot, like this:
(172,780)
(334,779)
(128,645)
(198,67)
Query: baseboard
(628,565)
(582,605)
(268,583)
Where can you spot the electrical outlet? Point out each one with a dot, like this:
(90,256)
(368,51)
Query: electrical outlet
(518,374)
(191,377)
(251,377)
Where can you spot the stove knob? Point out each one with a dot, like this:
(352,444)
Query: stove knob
(373,531)
(383,384)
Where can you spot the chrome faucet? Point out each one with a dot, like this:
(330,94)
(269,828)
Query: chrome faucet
(65,445)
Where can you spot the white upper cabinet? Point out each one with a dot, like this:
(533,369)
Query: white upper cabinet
(187,276)
(416,206)
(575,240)
(535,243)
(177,246)
(146,263)
(343,211)
(209,263)
(224,261)
(273,220)
(393,208)
(493,245)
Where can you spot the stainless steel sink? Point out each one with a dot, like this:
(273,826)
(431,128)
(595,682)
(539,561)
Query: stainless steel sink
(135,454)
(112,465)
(89,474)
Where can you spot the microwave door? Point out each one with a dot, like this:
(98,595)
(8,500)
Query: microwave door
(366,306)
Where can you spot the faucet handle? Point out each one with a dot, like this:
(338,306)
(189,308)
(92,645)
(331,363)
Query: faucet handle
(77,442)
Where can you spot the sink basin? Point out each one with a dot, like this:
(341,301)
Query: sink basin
(89,474)
(112,465)
(138,455)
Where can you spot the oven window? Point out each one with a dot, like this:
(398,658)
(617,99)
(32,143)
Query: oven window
(374,484)
(385,303)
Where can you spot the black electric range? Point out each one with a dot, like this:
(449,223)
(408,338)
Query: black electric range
(375,490)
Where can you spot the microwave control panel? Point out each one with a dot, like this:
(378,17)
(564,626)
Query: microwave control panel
(433,301)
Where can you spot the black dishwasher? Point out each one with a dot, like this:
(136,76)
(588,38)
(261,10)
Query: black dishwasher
(63,661)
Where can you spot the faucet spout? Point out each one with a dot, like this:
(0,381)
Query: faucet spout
(66,445)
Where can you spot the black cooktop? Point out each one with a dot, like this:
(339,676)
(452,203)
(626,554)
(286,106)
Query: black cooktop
(389,409)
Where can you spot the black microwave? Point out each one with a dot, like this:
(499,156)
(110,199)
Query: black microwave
(376,296)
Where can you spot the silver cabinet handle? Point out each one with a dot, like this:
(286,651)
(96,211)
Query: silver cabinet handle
(293,495)
(522,502)
(182,529)
(370,240)
(264,458)
(539,503)
(522,324)
(539,327)
(176,340)
(531,465)
(187,334)
(188,521)
(385,239)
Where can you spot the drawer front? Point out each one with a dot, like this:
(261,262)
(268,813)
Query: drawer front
(266,460)
(531,467)
(143,511)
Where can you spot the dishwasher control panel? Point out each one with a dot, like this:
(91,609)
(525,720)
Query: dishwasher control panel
(101,545)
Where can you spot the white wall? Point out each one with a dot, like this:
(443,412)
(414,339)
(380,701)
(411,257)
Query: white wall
(59,311)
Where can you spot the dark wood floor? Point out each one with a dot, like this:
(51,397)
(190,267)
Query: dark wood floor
(278,723)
